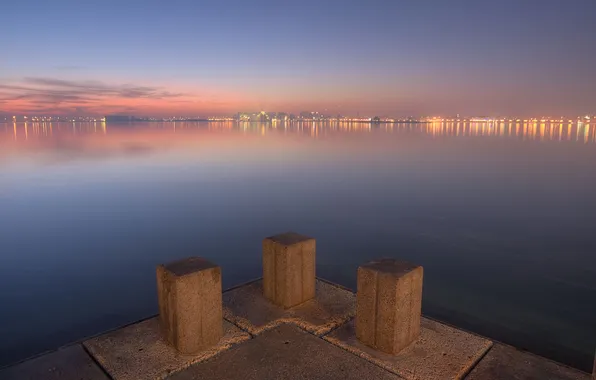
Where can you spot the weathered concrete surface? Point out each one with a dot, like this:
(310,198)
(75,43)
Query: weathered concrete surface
(389,304)
(440,352)
(189,297)
(286,353)
(69,363)
(248,308)
(503,362)
(289,269)
(138,351)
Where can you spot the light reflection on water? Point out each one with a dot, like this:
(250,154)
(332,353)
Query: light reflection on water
(576,131)
(501,215)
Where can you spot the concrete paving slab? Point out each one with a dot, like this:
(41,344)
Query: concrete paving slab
(504,362)
(288,353)
(248,308)
(138,351)
(69,363)
(440,352)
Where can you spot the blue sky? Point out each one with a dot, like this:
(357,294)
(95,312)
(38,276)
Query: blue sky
(382,57)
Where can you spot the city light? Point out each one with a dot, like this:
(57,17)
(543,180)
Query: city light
(278,117)
(579,130)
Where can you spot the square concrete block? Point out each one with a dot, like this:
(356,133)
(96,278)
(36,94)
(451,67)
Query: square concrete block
(389,304)
(190,310)
(289,269)
(441,352)
(138,352)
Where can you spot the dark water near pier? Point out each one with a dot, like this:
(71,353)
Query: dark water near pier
(502,217)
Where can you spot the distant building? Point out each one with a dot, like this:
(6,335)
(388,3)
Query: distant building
(306,115)
(282,116)
(253,116)
(119,118)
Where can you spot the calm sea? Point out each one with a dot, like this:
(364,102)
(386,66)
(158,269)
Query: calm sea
(502,217)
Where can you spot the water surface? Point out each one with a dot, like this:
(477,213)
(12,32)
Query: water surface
(501,216)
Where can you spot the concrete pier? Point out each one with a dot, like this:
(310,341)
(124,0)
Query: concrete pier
(190,309)
(389,304)
(288,351)
(289,269)
(316,338)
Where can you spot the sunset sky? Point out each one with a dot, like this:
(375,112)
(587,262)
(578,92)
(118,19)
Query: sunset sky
(388,58)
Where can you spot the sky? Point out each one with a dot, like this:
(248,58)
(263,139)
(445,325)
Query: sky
(349,57)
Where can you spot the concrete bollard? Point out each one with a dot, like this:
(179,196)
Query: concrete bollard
(289,269)
(190,304)
(388,304)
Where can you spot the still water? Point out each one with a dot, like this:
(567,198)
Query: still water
(502,217)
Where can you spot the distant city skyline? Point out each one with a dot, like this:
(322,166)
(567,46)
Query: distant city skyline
(311,116)
(390,59)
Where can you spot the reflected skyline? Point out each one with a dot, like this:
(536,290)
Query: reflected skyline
(579,132)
